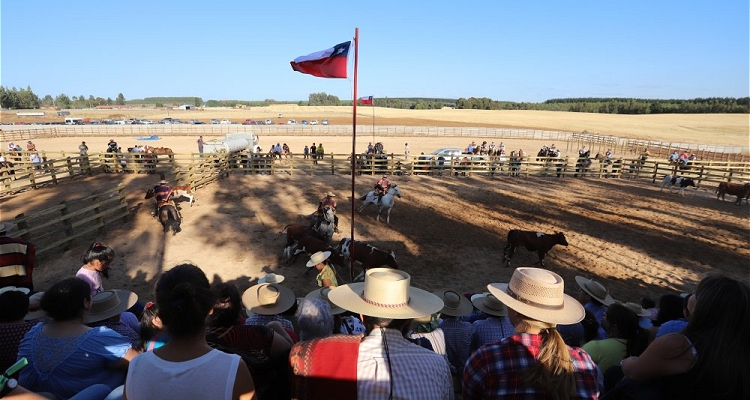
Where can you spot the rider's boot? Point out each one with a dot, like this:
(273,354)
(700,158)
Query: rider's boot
(380,197)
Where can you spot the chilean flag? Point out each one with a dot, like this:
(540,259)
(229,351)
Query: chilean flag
(367,100)
(330,63)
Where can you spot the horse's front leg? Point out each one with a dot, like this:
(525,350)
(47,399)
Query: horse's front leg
(378,217)
(388,220)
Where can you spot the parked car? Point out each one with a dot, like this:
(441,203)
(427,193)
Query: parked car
(214,122)
(247,122)
(226,122)
(269,122)
(314,122)
(291,122)
(304,122)
(324,122)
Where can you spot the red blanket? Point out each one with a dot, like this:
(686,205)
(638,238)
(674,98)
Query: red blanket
(325,368)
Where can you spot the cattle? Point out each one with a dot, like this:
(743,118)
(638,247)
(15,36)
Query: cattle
(741,190)
(673,180)
(310,244)
(367,255)
(532,241)
(183,191)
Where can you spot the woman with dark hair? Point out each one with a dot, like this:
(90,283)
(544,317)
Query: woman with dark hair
(65,356)
(14,305)
(96,262)
(265,348)
(709,358)
(626,338)
(186,367)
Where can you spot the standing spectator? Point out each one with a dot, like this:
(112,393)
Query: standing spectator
(186,367)
(14,306)
(200,144)
(370,149)
(319,151)
(535,363)
(83,149)
(501,148)
(496,326)
(521,154)
(314,153)
(11,146)
(17,257)
(30,146)
(595,298)
(385,364)
(36,160)
(306,152)
(65,356)
(406,151)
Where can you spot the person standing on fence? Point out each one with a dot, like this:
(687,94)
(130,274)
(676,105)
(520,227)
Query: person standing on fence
(200,144)
(17,257)
(314,153)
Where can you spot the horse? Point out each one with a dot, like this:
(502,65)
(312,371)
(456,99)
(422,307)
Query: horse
(673,180)
(324,223)
(367,255)
(169,216)
(183,191)
(386,202)
(532,241)
(741,190)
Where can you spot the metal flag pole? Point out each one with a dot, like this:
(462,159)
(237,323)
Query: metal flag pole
(354,144)
(373,119)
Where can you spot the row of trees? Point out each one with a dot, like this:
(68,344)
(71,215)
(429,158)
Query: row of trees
(26,99)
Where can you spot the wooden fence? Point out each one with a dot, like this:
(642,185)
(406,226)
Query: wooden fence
(59,226)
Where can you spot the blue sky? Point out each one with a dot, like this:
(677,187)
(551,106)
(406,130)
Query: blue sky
(516,51)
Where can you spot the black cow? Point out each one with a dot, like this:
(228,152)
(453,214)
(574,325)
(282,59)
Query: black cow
(532,241)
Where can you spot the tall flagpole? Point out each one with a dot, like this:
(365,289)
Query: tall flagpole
(373,119)
(354,142)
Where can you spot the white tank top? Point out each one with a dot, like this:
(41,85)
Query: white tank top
(210,376)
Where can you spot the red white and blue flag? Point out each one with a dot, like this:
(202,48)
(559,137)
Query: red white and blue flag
(367,100)
(330,63)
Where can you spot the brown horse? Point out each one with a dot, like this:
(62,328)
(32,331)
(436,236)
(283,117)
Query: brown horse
(168,215)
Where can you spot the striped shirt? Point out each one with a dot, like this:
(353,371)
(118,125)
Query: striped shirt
(491,330)
(17,258)
(417,373)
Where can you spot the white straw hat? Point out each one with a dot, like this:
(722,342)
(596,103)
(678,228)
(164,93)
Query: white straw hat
(539,294)
(268,299)
(318,258)
(109,303)
(271,278)
(386,293)
(595,290)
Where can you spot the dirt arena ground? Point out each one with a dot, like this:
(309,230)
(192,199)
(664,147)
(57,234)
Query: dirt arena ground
(445,231)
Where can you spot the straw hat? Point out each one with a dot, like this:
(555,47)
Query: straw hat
(455,305)
(35,307)
(322,294)
(271,278)
(268,299)
(14,288)
(318,258)
(163,182)
(539,294)
(595,290)
(386,293)
(109,303)
(637,309)
(330,194)
(489,304)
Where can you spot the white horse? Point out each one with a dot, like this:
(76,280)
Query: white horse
(386,202)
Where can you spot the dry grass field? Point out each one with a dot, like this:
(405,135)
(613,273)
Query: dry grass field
(446,231)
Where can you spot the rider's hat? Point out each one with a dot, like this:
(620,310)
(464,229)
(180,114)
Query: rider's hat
(163,182)
(330,194)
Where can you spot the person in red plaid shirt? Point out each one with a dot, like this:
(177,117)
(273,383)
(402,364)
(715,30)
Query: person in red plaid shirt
(535,363)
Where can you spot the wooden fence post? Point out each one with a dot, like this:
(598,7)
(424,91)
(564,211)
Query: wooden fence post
(66,223)
(23,226)
(70,166)
(98,212)
(124,203)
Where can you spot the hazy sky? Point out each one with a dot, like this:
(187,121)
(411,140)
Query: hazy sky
(504,50)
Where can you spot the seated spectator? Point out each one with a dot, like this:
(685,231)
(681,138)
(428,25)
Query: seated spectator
(650,305)
(671,314)
(625,338)
(644,316)
(96,262)
(708,359)
(14,306)
(314,318)
(65,356)
(595,298)
(186,367)
(151,333)
(495,326)
(265,302)
(343,321)
(106,308)
(17,259)
(425,328)
(265,349)
(534,363)
(457,333)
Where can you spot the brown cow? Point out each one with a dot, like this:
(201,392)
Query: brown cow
(532,241)
(367,255)
(741,190)
(310,244)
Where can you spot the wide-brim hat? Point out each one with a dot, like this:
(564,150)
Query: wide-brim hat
(330,194)
(637,309)
(271,278)
(455,304)
(595,290)
(109,303)
(489,304)
(322,294)
(318,258)
(268,299)
(386,293)
(14,289)
(163,182)
(539,294)
(35,307)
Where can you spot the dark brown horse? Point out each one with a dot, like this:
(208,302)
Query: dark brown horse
(168,215)
(532,241)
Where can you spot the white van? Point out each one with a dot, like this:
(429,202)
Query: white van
(73,121)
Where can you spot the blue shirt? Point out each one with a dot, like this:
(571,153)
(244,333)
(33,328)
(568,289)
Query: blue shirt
(675,325)
(66,365)
(491,330)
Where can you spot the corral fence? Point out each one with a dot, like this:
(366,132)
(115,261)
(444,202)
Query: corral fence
(60,226)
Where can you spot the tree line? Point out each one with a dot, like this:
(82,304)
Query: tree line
(13,98)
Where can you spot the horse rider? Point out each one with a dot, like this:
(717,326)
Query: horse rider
(381,187)
(162,191)
(582,152)
(330,201)
(112,146)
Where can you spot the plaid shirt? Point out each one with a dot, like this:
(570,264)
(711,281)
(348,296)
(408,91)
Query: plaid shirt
(495,371)
(260,319)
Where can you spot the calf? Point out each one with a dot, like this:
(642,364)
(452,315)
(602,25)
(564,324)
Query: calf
(674,180)
(310,244)
(183,191)
(532,241)
(741,190)
(367,255)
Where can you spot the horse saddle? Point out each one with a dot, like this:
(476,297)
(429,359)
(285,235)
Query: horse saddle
(167,202)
